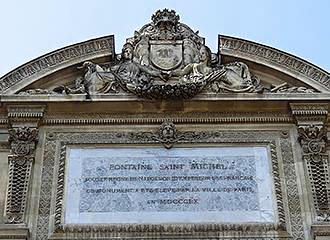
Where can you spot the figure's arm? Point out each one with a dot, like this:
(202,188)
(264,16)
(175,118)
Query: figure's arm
(151,72)
(114,68)
(181,72)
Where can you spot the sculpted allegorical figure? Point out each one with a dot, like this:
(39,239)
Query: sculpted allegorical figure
(196,71)
(131,72)
(127,72)
(237,77)
(234,77)
(91,83)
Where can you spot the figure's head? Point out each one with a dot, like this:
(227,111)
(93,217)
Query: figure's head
(127,51)
(167,130)
(205,54)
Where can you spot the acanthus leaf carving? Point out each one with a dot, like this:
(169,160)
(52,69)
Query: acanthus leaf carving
(22,140)
(313,139)
(167,135)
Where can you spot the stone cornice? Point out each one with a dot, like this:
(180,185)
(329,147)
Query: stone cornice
(309,108)
(276,59)
(320,230)
(188,118)
(17,232)
(56,60)
(25,114)
(310,113)
(16,98)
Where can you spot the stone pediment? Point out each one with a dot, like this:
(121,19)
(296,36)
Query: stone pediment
(166,59)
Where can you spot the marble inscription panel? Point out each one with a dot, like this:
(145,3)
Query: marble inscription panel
(158,185)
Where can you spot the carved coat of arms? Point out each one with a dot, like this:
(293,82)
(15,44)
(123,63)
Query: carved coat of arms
(166,55)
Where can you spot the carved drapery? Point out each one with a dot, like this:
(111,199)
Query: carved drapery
(312,136)
(23,136)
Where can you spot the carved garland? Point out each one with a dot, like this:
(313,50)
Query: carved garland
(64,139)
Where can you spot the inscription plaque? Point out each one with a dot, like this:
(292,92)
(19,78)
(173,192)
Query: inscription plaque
(158,185)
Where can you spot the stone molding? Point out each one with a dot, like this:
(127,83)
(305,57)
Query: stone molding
(23,137)
(53,119)
(309,109)
(188,118)
(274,58)
(312,136)
(277,141)
(17,233)
(320,231)
(56,60)
(125,97)
(23,111)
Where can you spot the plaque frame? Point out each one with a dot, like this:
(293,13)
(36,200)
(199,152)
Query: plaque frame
(281,160)
(263,152)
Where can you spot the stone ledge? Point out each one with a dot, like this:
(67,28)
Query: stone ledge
(5,98)
(321,231)
(14,232)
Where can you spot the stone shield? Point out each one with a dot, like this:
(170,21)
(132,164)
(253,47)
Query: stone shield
(166,55)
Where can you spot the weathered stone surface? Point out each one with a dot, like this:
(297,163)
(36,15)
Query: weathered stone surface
(68,108)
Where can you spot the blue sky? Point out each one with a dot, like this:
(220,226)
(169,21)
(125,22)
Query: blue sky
(35,27)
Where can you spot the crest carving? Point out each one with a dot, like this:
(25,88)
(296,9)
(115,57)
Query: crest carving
(166,59)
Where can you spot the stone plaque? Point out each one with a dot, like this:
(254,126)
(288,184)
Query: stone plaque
(179,185)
